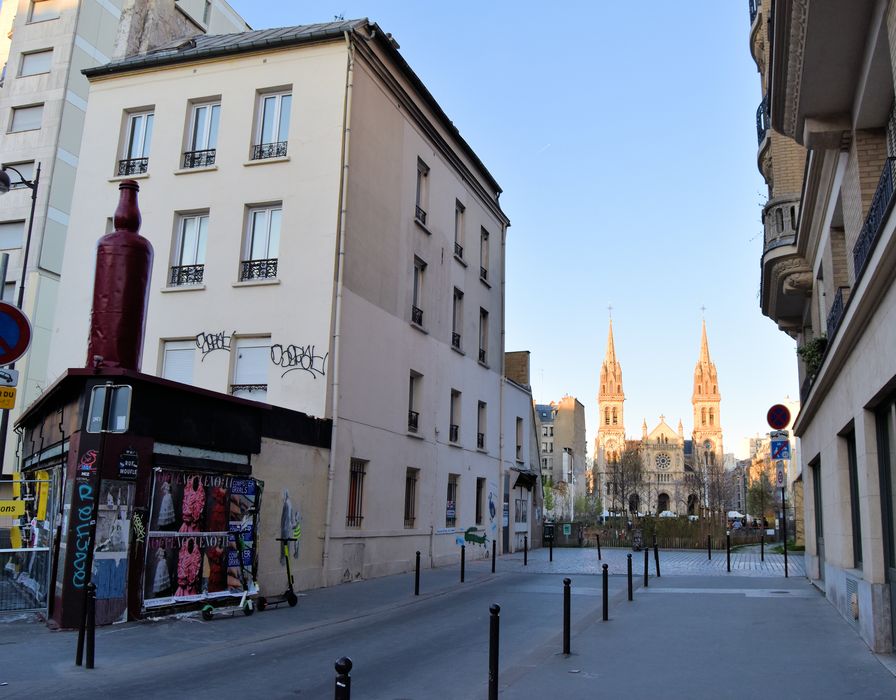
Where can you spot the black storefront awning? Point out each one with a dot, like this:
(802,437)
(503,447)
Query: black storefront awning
(525,480)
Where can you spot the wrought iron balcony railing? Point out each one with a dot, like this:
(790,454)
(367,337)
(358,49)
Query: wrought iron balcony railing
(417,315)
(763,121)
(453,432)
(183,275)
(455,340)
(199,159)
(835,315)
(480,440)
(258,269)
(413,417)
(234,388)
(754,9)
(459,250)
(420,215)
(483,274)
(133,166)
(482,354)
(269,150)
(877,213)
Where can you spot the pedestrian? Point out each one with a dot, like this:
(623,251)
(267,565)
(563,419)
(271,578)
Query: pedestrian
(581,535)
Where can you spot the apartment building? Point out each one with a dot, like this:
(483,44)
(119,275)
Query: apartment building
(43,101)
(828,265)
(326,241)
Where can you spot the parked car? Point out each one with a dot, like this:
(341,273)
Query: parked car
(668,514)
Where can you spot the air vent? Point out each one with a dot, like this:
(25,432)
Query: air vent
(852,597)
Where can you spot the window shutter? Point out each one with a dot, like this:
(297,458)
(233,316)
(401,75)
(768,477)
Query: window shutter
(178,361)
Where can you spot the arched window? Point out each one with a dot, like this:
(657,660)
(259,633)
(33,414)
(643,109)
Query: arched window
(711,417)
(715,389)
(615,421)
(699,388)
(606,416)
(702,416)
(603,388)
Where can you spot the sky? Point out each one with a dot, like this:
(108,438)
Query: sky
(624,138)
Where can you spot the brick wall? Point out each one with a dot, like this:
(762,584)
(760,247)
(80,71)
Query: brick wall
(866,161)
(516,366)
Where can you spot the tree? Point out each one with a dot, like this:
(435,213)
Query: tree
(548,498)
(588,508)
(627,475)
(761,496)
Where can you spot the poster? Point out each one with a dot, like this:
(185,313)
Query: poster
(201,539)
(110,553)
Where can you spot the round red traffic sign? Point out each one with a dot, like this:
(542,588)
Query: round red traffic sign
(778,417)
(15,333)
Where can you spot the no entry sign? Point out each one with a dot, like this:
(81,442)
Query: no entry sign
(778,417)
(15,333)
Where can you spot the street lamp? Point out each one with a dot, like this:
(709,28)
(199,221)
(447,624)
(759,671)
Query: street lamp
(5,185)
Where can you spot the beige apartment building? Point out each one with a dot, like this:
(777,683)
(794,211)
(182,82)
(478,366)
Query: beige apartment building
(827,135)
(44,46)
(326,241)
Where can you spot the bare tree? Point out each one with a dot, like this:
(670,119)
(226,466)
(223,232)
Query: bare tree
(627,474)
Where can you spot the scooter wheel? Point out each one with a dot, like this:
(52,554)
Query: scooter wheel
(248,609)
(291,598)
(207,613)
(261,603)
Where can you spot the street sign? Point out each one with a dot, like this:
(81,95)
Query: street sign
(7,397)
(779,466)
(780,449)
(12,508)
(9,377)
(778,416)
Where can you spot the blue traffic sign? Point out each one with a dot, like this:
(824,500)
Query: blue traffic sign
(15,333)
(780,449)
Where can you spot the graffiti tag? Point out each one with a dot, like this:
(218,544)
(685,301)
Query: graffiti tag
(303,357)
(139,528)
(84,520)
(471,536)
(209,342)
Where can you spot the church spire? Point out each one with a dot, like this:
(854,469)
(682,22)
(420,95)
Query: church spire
(704,346)
(610,356)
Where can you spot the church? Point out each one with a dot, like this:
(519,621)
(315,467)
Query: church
(672,468)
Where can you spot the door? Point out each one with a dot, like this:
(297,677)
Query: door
(819,516)
(886,435)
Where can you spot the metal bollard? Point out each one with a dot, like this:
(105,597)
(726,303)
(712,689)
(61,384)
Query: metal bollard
(606,593)
(656,557)
(551,549)
(417,576)
(630,592)
(566,611)
(494,554)
(91,622)
(599,557)
(463,561)
(343,680)
(728,550)
(709,547)
(525,550)
(494,631)
(82,630)
(762,547)
(646,565)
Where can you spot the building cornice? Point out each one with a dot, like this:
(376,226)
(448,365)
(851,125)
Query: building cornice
(789,24)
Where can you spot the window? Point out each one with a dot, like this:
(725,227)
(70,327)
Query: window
(27,171)
(207,12)
(483,255)
(262,243)
(43,10)
(855,509)
(544,446)
(606,416)
(522,510)
(26,118)
(544,431)
(702,416)
(138,138)
(414,384)
(457,318)
(118,417)
(519,439)
(177,360)
(454,412)
(203,138)
(459,229)
(483,336)
(410,497)
(480,426)
(422,192)
(11,234)
(273,125)
(189,252)
(353,514)
(250,369)
(615,417)
(480,499)
(417,298)
(711,417)
(550,431)
(451,501)
(36,63)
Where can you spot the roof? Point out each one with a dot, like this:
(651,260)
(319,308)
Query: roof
(545,412)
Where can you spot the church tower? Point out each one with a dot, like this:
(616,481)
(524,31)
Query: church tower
(707,435)
(610,439)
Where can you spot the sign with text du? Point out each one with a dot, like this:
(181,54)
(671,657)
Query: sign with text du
(7,397)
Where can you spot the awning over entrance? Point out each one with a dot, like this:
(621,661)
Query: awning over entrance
(525,480)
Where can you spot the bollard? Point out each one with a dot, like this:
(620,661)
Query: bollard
(417,576)
(709,547)
(463,561)
(91,622)
(343,680)
(598,547)
(494,631)
(606,593)
(762,547)
(646,565)
(728,550)
(656,557)
(82,629)
(630,577)
(494,550)
(566,611)
(525,550)
(551,548)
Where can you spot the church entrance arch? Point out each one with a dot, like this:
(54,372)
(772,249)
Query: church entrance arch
(692,504)
(663,502)
(633,502)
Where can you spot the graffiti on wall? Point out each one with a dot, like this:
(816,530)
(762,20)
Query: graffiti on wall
(304,357)
(209,342)
(83,520)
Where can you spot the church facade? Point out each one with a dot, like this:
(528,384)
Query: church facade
(673,470)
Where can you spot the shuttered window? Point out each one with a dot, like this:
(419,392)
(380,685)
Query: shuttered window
(11,234)
(36,63)
(250,369)
(26,118)
(177,360)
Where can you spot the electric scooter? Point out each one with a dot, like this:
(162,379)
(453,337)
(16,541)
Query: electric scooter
(245,604)
(289,595)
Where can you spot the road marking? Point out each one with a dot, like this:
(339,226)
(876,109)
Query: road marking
(748,592)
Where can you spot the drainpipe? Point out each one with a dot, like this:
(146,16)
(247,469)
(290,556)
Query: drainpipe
(501,397)
(337,316)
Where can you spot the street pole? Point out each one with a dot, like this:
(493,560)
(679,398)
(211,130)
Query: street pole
(784,530)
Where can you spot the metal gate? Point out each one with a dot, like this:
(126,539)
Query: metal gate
(27,531)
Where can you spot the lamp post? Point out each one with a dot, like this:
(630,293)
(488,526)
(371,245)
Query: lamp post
(5,185)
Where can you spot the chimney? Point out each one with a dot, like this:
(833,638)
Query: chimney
(120,288)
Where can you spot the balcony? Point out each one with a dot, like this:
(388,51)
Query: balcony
(480,440)
(269,150)
(417,315)
(185,275)
(455,341)
(453,432)
(199,159)
(459,250)
(258,269)
(420,215)
(483,274)
(413,418)
(835,315)
(763,120)
(754,9)
(877,214)
(133,166)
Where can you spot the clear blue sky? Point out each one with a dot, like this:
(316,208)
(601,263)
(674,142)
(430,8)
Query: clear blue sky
(623,135)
